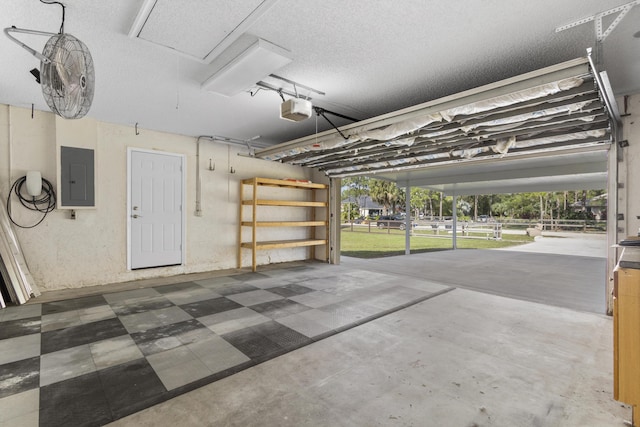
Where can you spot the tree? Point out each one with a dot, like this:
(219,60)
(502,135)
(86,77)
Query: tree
(419,199)
(350,211)
(500,208)
(356,187)
(463,207)
(385,193)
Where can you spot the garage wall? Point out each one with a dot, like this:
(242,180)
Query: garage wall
(629,172)
(92,249)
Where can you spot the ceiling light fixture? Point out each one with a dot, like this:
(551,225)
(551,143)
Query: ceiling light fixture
(255,63)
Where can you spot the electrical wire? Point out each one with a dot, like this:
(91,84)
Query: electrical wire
(43,204)
(63,11)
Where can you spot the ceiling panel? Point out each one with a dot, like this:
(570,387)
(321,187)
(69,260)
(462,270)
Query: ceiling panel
(194,27)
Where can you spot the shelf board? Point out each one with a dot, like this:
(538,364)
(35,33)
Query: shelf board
(277,244)
(283,183)
(285,223)
(301,203)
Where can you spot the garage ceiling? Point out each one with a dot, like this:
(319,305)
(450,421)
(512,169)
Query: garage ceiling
(368,59)
(371,61)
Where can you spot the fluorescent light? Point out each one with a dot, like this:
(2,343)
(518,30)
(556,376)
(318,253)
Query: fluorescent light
(245,70)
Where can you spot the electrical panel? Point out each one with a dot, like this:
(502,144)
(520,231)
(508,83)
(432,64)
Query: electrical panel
(77,177)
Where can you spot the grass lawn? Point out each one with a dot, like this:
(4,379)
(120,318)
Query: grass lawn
(375,245)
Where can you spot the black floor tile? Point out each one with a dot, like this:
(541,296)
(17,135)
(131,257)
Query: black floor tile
(233,288)
(250,276)
(20,327)
(89,302)
(78,402)
(83,334)
(146,339)
(209,306)
(165,289)
(281,335)
(72,304)
(16,377)
(253,344)
(131,387)
(155,303)
(290,290)
(279,308)
(58,306)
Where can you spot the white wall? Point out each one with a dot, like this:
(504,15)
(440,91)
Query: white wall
(629,172)
(92,249)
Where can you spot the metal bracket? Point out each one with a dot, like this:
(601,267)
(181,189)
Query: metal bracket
(600,33)
(31,50)
(322,112)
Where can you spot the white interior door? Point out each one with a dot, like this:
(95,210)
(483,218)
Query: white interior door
(155,215)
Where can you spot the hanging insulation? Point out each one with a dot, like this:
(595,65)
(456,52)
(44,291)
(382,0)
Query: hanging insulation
(555,108)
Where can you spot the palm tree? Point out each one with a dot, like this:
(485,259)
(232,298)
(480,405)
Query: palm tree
(385,193)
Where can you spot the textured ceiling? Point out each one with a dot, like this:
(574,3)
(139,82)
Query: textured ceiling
(370,58)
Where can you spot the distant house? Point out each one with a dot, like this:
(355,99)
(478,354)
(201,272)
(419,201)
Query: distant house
(596,206)
(366,205)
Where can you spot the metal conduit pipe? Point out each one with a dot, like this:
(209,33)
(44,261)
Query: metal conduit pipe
(213,138)
(198,211)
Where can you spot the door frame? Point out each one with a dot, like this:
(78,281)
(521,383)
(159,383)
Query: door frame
(182,157)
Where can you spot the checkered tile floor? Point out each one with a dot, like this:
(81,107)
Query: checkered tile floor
(92,360)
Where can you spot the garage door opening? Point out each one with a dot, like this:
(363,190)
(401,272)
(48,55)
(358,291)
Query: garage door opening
(550,130)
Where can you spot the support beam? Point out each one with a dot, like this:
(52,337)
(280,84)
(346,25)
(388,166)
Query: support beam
(407,219)
(454,228)
(335,185)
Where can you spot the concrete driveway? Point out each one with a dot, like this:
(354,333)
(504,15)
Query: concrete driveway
(567,270)
(562,243)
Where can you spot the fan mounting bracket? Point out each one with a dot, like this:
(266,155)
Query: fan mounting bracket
(29,49)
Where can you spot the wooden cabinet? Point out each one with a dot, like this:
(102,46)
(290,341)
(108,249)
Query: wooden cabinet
(626,330)
(262,210)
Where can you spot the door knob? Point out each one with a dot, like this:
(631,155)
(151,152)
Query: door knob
(136,216)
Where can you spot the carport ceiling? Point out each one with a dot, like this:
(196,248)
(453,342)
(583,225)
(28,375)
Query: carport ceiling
(549,129)
(578,170)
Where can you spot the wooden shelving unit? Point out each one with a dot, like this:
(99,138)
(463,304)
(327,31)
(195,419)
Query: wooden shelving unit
(626,334)
(315,236)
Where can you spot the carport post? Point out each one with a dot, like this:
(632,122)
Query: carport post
(407,220)
(454,227)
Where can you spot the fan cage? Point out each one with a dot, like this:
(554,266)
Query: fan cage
(68,80)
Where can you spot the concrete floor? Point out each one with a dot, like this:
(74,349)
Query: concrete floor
(463,358)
